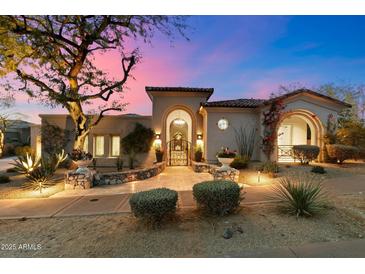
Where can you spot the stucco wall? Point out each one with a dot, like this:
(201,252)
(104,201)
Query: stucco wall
(216,138)
(298,130)
(108,126)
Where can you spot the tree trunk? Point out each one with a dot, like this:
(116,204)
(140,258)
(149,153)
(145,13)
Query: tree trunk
(2,145)
(81,126)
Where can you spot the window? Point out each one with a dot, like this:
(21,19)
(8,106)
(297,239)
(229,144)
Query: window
(115,146)
(223,124)
(86,144)
(99,145)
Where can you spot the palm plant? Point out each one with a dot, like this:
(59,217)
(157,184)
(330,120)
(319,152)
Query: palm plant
(245,141)
(300,194)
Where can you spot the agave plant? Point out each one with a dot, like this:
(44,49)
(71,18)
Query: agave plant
(300,194)
(39,179)
(26,164)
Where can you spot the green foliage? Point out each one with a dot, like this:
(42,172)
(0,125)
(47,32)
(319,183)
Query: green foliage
(198,154)
(305,153)
(217,197)
(159,155)
(318,169)
(300,194)
(342,152)
(26,164)
(138,141)
(11,170)
(119,163)
(54,138)
(153,205)
(352,133)
(269,167)
(240,162)
(9,150)
(23,151)
(245,141)
(4,179)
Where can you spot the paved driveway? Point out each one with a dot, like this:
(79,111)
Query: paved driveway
(5,163)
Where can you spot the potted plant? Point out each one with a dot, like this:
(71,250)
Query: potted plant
(159,154)
(198,154)
(225,157)
(81,158)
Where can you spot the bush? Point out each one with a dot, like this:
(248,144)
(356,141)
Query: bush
(318,169)
(4,179)
(300,194)
(217,197)
(9,150)
(342,152)
(153,205)
(305,153)
(23,151)
(240,162)
(269,167)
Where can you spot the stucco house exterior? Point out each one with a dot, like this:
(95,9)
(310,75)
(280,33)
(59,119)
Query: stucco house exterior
(184,117)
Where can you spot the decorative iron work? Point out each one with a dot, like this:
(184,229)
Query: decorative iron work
(285,153)
(179,152)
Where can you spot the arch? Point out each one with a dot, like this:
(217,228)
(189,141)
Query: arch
(171,114)
(314,123)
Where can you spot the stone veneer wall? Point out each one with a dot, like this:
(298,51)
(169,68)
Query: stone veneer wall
(231,174)
(75,179)
(114,178)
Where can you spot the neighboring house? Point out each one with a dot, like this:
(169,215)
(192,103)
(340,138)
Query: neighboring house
(183,118)
(18,132)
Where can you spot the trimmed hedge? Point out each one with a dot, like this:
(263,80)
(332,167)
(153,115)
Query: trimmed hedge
(269,167)
(153,205)
(240,162)
(217,197)
(305,153)
(342,152)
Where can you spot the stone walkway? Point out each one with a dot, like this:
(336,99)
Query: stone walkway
(176,178)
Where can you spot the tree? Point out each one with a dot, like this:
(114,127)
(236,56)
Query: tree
(6,101)
(138,141)
(52,56)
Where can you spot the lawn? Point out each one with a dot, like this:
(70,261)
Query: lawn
(187,235)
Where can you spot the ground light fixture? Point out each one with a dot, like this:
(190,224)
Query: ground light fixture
(258,176)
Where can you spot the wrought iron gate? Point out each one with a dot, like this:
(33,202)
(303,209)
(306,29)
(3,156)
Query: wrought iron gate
(285,153)
(179,152)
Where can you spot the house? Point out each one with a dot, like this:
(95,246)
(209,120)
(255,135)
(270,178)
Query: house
(18,132)
(184,117)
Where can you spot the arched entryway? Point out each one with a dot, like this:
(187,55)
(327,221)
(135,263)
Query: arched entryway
(298,127)
(178,137)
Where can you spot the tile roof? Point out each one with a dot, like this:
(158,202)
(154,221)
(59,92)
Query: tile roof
(238,103)
(180,89)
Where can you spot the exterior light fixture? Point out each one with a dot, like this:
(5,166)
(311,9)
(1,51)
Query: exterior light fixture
(157,137)
(199,136)
(179,122)
(258,176)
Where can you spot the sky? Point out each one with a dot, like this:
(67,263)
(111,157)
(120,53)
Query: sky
(240,57)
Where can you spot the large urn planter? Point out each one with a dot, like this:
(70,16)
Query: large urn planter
(82,165)
(225,163)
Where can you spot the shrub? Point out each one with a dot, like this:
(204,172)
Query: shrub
(23,151)
(305,153)
(269,167)
(217,197)
(9,150)
(153,205)
(240,162)
(139,140)
(4,179)
(318,169)
(198,154)
(27,163)
(226,153)
(342,152)
(300,194)
(11,170)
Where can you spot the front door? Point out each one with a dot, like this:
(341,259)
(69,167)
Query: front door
(178,154)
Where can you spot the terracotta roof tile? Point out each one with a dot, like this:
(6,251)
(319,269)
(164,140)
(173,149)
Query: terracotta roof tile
(238,103)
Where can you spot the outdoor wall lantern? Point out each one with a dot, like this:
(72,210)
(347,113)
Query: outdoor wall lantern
(199,136)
